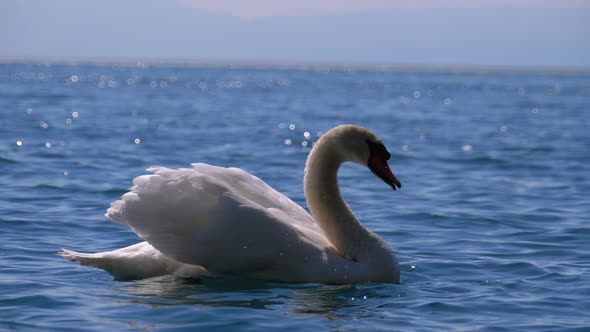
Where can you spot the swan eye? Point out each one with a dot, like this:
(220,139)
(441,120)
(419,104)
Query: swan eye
(378,149)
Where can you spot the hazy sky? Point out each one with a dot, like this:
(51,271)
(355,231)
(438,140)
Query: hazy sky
(432,32)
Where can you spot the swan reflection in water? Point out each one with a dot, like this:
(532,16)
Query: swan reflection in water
(297,299)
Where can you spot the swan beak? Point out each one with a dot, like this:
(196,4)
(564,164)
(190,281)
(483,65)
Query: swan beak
(380,168)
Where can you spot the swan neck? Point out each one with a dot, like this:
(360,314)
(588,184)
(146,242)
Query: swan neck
(326,204)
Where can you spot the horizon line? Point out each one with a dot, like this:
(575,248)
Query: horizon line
(295,65)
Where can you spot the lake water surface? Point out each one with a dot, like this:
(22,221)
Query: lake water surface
(491,227)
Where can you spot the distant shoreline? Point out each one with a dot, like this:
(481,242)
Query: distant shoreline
(297,65)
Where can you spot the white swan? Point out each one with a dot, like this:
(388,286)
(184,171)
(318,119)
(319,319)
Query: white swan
(216,220)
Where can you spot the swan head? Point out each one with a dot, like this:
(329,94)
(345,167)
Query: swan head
(360,145)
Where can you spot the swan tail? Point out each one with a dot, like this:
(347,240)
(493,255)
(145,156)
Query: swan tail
(96,260)
(137,261)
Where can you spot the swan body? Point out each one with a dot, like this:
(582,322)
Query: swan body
(225,221)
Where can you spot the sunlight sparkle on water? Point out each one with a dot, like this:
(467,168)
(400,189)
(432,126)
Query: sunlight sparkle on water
(492,161)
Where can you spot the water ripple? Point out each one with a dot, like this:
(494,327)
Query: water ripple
(490,227)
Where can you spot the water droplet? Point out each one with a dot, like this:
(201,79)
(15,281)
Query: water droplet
(292,126)
(66,173)
(448,101)
(282,125)
(304,143)
(405,147)
(29,110)
(47,145)
(74,78)
(503,129)
(417,94)
(412,268)
(75,114)
(69,121)
(288,142)
(535,110)
(43,125)
(19,143)
(319,134)
(365,297)
(467,148)
(307,135)
(137,141)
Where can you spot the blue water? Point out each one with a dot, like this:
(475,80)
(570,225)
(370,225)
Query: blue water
(491,227)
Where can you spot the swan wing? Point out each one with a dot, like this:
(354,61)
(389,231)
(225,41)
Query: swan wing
(254,189)
(223,219)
